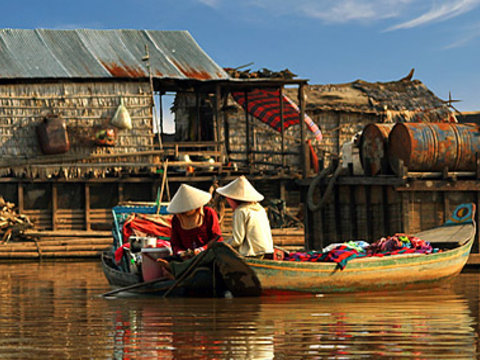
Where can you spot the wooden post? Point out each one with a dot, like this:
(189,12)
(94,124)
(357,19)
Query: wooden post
(247,133)
(476,244)
(54,206)
(218,130)
(310,237)
(282,123)
(405,212)
(283,192)
(120,191)
(477,163)
(386,210)
(370,219)
(446,206)
(353,211)
(197,112)
(338,214)
(88,225)
(301,103)
(226,127)
(20,198)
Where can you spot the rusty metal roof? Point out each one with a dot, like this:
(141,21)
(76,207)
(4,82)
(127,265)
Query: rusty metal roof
(86,53)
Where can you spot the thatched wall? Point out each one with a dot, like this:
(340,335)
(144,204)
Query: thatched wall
(338,128)
(86,107)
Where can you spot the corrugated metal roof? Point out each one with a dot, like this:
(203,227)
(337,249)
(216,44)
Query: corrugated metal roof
(86,53)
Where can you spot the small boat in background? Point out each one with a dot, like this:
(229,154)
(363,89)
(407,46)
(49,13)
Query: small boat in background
(396,272)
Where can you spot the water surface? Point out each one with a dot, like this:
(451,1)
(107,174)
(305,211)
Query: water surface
(52,310)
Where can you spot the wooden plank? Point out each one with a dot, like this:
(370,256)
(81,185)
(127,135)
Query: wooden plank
(67,233)
(440,185)
(473,259)
(53,254)
(88,224)
(54,205)
(57,246)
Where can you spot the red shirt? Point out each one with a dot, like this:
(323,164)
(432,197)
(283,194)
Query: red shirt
(198,237)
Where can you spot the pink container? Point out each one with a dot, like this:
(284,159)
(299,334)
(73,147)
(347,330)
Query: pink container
(150,268)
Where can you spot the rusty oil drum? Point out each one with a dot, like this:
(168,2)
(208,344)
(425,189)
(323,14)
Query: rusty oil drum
(434,146)
(373,149)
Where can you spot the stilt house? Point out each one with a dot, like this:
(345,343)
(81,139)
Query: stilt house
(80,128)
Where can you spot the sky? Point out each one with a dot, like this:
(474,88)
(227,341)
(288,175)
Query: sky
(324,41)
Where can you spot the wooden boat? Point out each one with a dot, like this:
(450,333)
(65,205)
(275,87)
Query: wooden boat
(220,270)
(406,271)
(224,270)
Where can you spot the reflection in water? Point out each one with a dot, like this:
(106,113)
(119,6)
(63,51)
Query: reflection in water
(52,310)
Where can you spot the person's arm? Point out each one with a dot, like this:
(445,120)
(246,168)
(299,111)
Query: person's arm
(213,226)
(175,240)
(238,229)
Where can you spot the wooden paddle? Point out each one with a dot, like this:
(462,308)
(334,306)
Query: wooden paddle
(135,286)
(192,266)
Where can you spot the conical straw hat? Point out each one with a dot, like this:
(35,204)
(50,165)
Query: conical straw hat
(188,198)
(240,189)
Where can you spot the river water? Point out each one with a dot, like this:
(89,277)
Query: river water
(53,310)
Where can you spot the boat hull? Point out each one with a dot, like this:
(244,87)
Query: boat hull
(412,271)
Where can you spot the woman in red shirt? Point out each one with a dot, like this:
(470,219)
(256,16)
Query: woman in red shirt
(193,224)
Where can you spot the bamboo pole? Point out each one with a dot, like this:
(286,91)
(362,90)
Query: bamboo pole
(60,159)
(70,233)
(49,248)
(70,96)
(44,246)
(204,164)
(58,254)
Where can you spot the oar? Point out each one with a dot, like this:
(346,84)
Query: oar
(135,286)
(192,266)
(164,179)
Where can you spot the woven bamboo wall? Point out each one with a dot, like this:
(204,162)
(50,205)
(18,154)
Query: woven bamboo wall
(338,128)
(263,138)
(85,107)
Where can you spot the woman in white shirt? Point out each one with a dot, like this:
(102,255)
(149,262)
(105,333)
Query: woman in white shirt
(251,233)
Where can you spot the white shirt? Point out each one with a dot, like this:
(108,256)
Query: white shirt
(251,230)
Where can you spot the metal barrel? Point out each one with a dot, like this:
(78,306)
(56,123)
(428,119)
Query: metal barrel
(373,149)
(434,146)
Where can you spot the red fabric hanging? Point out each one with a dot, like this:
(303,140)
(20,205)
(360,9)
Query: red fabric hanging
(264,104)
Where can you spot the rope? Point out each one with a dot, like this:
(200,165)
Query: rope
(317,180)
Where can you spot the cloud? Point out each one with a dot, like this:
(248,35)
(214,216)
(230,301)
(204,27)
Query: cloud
(210,3)
(439,12)
(337,11)
(345,11)
(468,34)
(348,11)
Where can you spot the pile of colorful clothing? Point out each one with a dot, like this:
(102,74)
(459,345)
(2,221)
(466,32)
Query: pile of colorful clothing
(145,225)
(344,252)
